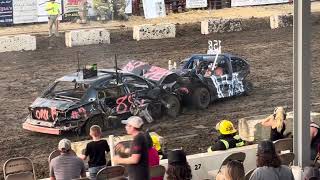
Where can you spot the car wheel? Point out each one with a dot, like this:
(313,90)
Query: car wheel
(174,106)
(95,120)
(248,87)
(201,98)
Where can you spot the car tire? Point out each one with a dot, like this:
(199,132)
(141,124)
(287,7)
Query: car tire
(248,87)
(95,120)
(175,106)
(201,98)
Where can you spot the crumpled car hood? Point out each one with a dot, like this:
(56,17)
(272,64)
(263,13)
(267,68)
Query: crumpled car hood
(50,103)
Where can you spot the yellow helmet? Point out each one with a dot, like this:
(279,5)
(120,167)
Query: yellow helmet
(156,142)
(226,127)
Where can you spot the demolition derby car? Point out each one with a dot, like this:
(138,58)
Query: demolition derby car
(205,77)
(77,101)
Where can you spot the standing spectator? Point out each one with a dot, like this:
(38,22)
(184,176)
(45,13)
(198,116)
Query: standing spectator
(269,164)
(138,168)
(276,122)
(66,166)
(153,155)
(83,11)
(53,10)
(315,139)
(96,151)
(234,170)
(178,167)
(228,137)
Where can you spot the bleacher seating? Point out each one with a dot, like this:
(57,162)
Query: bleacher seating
(248,174)
(157,171)
(110,172)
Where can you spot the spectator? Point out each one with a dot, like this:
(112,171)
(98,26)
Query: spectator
(315,139)
(153,155)
(234,170)
(269,164)
(96,151)
(66,166)
(311,173)
(83,6)
(138,168)
(178,167)
(276,122)
(228,137)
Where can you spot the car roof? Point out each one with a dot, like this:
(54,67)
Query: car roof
(102,74)
(225,54)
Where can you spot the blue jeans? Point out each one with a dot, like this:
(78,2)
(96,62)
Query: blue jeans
(94,170)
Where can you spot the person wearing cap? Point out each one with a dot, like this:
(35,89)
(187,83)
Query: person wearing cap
(96,151)
(138,168)
(53,10)
(269,164)
(228,137)
(277,123)
(178,166)
(66,166)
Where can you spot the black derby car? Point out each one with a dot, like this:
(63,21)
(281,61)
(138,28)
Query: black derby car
(76,102)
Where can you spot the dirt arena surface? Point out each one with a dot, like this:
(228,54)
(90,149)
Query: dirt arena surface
(24,75)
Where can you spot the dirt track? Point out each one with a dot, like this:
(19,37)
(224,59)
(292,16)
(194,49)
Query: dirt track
(25,74)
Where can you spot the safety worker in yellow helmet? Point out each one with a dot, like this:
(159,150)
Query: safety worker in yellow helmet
(53,10)
(228,137)
(158,147)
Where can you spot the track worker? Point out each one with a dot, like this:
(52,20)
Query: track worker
(53,10)
(138,166)
(96,151)
(228,137)
(277,123)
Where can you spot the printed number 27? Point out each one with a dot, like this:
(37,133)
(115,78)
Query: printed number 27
(197,166)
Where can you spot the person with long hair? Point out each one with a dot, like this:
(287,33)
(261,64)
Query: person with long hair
(233,170)
(178,167)
(269,164)
(277,123)
(153,155)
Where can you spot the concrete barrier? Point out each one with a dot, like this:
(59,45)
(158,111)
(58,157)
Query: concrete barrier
(221,26)
(280,21)
(158,31)
(17,43)
(87,37)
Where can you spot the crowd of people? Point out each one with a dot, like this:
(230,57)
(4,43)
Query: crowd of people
(145,151)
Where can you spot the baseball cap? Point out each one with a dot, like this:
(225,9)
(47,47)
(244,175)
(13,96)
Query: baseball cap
(64,145)
(134,121)
(266,147)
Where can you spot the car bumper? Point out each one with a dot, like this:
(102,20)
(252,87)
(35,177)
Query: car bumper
(44,127)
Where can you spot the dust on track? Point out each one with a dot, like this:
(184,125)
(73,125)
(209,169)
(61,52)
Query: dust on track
(24,75)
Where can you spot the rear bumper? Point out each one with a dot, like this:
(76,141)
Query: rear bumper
(41,129)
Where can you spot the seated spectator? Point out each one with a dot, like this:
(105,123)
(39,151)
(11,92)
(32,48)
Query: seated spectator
(228,137)
(96,151)
(269,164)
(311,173)
(315,139)
(152,155)
(178,167)
(277,123)
(138,168)
(234,170)
(66,166)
